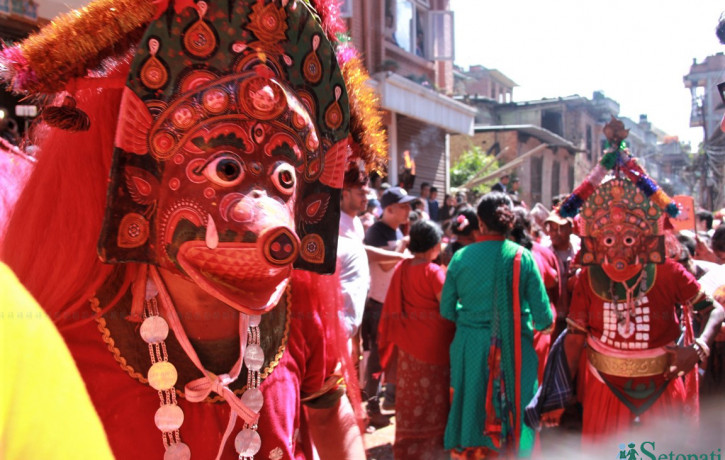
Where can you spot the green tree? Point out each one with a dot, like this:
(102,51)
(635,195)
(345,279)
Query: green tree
(473,163)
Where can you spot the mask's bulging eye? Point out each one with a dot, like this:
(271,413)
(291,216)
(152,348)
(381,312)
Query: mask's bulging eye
(608,240)
(224,170)
(628,240)
(283,178)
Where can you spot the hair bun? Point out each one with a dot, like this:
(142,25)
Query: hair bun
(505,216)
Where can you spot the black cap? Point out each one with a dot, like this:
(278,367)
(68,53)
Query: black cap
(395,195)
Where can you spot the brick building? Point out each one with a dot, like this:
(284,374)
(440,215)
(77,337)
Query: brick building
(540,159)
(702,81)
(407,46)
(707,111)
(570,127)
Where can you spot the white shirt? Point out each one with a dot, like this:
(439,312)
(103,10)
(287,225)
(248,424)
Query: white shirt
(351,227)
(352,266)
(379,278)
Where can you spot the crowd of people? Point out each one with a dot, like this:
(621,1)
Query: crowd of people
(205,261)
(464,311)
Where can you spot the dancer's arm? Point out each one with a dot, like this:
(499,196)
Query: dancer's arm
(335,432)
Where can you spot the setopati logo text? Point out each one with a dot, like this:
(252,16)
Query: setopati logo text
(648,450)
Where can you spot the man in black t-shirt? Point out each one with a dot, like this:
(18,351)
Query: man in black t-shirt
(387,238)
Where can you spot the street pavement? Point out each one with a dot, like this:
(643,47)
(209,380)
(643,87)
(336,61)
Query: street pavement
(379,442)
(703,440)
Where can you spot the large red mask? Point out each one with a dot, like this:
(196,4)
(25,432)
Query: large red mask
(621,230)
(228,164)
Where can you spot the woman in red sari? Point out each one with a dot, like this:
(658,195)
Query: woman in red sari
(548,266)
(412,327)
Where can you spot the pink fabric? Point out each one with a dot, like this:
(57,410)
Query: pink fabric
(127,407)
(548,266)
(411,316)
(15,168)
(692,378)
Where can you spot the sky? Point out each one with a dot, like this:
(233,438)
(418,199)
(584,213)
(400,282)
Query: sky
(635,51)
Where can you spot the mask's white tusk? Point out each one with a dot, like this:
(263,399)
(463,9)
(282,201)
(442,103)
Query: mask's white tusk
(212,236)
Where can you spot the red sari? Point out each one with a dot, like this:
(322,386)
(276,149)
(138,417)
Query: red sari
(411,322)
(548,266)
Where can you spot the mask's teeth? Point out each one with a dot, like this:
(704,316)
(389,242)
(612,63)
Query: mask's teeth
(212,236)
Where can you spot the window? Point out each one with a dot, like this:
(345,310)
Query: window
(416,29)
(404,24)
(346,8)
(589,144)
(441,31)
(570,186)
(552,120)
(26,8)
(537,166)
(555,174)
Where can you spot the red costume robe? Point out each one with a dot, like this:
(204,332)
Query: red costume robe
(654,324)
(127,406)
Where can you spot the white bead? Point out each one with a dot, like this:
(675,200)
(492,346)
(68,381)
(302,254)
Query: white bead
(162,376)
(253,399)
(177,451)
(154,329)
(169,417)
(254,357)
(151,289)
(254,320)
(247,442)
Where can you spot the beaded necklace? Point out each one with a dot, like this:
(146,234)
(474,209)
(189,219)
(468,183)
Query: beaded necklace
(627,328)
(162,376)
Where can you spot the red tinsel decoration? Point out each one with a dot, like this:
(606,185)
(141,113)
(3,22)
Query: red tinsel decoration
(332,23)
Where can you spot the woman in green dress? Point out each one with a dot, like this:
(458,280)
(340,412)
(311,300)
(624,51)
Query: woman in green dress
(493,362)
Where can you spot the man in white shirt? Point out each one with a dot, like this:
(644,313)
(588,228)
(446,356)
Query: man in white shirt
(352,260)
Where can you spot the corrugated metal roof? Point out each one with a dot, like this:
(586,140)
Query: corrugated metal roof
(544,135)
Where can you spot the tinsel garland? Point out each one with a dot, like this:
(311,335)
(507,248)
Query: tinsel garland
(45,62)
(649,187)
(366,123)
(620,159)
(73,44)
(329,12)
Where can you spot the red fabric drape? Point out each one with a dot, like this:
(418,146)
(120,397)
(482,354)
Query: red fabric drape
(411,318)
